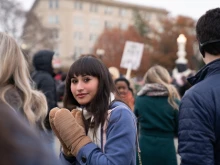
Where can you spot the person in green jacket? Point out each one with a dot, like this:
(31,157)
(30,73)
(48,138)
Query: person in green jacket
(156,107)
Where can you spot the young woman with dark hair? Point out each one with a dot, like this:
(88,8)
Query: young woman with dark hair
(98,130)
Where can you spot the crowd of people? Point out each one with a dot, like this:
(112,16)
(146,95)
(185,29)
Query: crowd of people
(102,120)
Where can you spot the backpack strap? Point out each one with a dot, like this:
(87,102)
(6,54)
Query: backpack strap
(105,126)
(104,135)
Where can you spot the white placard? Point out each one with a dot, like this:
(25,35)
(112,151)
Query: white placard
(132,55)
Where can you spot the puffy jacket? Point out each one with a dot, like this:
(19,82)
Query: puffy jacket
(199,118)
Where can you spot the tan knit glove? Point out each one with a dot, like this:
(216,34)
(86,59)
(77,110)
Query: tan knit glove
(71,133)
(66,151)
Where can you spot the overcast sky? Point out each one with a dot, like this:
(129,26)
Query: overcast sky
(192,8)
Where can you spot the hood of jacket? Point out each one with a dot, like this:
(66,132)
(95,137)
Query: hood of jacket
(42,61)
(208,70)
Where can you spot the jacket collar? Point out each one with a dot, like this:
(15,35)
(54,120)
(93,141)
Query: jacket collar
(208,70)
(116,103)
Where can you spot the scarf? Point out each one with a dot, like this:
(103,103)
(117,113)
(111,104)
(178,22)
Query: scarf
(153,89)
(98,134)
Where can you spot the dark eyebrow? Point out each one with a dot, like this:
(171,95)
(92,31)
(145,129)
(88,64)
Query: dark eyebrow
(84,75)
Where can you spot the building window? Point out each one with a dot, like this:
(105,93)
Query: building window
(78,36)
(91,50)
(108,10)
(78,5)
(77,52)
(148,16)
(54,35)
(94,8)
(108,25)
(53,19)
(53,4)
(93,37)
(56,50)
(94,22)
(122,12)
(123,26)
(78,20)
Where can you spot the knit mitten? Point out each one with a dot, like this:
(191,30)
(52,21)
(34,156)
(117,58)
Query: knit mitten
(77,114)
(66,151)
(71,133)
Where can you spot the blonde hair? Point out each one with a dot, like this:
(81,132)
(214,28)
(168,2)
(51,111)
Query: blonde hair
(158,74)
(14,74)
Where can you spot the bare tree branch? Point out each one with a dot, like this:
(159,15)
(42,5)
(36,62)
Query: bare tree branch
(36,36)
(12,17)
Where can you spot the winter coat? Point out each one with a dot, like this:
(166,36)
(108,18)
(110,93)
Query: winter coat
(199,124)
(43,79)
(158,123)
(120,147)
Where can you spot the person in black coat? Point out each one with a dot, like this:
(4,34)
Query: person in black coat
(43,79)
(199,124)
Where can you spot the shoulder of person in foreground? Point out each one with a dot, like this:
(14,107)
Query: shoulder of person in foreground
(196,126)
(19,143)
(120,146)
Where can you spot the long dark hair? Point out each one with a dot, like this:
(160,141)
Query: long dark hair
(90,65)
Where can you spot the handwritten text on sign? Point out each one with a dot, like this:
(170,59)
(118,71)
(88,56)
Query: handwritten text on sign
(132,55)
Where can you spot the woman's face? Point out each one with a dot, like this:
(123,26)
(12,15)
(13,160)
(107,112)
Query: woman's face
(122,88)
(84,88)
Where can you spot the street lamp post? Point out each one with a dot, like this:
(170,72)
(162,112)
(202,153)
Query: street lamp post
(181,41)
(181,62)
(181,71)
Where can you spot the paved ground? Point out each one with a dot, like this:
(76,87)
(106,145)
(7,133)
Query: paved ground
(57,146)
(176,144)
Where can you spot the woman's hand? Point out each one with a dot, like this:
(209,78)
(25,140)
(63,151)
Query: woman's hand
(53,111)
(77,114)
(70,132)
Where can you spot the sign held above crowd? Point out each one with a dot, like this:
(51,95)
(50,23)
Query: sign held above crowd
(131,58)
(132,55)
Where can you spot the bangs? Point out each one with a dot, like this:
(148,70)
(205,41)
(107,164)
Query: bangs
(85,66)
